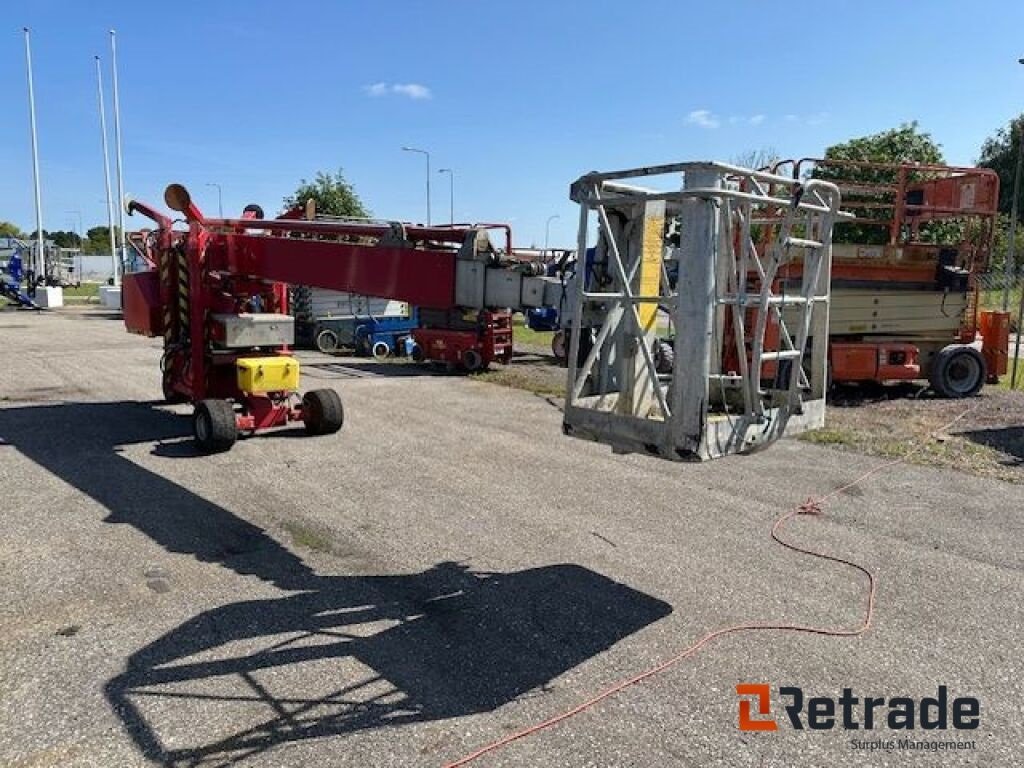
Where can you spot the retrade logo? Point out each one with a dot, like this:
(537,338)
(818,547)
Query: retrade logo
(851,712)
(762,694)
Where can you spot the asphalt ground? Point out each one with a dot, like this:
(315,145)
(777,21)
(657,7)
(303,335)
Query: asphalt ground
(448,569)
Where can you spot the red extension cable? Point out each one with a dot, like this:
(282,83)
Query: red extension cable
(810,507)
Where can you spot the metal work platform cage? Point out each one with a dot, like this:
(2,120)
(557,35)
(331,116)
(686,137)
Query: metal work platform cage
(679,347)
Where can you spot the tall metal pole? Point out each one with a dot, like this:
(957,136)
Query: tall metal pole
(1011,264)
(427,155)
(1011,255)
(38,266)
(81,240)
(220,198)
(451,194)
(117,154)
(106,168)
(547,229)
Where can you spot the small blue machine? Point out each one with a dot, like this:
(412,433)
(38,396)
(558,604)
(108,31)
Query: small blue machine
(382,337)
(10,285)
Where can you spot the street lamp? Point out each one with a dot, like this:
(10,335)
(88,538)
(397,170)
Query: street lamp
(426,155)
(81,229)
(547,229)
(39,262)
(220,197)
(451,194)
(106,168)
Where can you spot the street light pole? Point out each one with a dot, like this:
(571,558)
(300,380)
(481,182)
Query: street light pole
(81,240)
(1010,265)
(220,198)
(451,194)
(1011,251)
(547,229)
(38,265)
(426,155)
(106,168)
(117,155)
(81,229)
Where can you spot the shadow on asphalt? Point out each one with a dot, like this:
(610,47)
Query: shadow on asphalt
(336,654)
(1006,440)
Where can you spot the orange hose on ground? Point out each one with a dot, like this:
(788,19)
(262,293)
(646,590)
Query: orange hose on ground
(810,507)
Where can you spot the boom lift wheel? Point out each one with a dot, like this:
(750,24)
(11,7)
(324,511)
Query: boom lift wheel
(322,412)
(327,341)
(471,360)
(958,370)
(560,347)
(214,425)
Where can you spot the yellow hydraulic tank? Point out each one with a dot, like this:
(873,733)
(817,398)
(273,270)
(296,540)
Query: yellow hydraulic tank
(267,374)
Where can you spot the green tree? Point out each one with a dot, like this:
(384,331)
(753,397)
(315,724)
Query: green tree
(999,152)
(64,239)
(97,240)
(905,144)
(1001,246)
(7,229)
(334,196)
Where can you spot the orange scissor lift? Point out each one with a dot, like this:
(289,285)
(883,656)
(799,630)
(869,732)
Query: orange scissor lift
(905,299)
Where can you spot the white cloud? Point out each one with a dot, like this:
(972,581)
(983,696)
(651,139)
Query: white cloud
(703,118)
(409,90)
(756,119)
(412,90)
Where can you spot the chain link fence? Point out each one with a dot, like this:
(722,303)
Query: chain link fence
(997,290)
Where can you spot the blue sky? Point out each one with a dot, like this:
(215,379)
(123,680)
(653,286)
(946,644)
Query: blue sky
(519,98)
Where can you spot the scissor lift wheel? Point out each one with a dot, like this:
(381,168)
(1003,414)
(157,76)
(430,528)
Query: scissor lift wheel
(214,425)
(322,412)
(958,370)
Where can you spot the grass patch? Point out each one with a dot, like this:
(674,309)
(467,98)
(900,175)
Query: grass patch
(1004,381)
(85,290)
(524,335)
(307,536)
(828,436)
(530,381)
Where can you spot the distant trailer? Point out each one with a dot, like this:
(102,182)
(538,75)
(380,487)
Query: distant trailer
(329,320)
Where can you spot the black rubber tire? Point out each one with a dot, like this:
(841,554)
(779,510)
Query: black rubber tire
(560,347)
(170,395)
(322,412)
(664,356)
(417,354)
(471,360)
(214,426)
(957,371)
(327,341)
(380,350)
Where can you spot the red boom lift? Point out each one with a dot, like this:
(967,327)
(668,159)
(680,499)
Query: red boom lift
(217,294)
